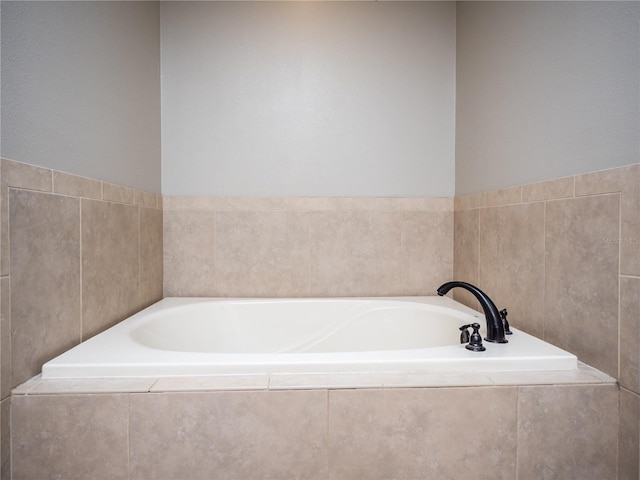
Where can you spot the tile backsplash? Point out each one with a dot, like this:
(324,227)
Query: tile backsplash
(78,255)
(560,255)
(300,247)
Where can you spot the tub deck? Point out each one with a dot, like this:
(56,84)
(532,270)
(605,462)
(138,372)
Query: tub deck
(116,353)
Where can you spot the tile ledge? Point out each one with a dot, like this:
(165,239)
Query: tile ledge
(584,375)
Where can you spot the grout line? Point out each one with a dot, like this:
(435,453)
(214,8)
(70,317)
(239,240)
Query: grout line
(544,270)
(81,276)
(478,261)
(328,431)
(9,367)
(6,211)
(216,275)
(517,440)
(308,216)
(141,301)
(129,435)
(629,275)
(403,263)
(619,323)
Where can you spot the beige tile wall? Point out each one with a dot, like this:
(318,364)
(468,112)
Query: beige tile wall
(110,269)
(629,435)
(566,243)
(5,438)
(553,432)
(563,426)
(423,433)
(80,255)
(300,247)
(229,435)
(86,436)
(564,257)
(76,256)
(561,256)
(45,280)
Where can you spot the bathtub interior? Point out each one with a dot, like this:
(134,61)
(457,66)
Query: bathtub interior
(297,326)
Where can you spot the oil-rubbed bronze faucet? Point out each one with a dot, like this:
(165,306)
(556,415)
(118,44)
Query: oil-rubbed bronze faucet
(495,327)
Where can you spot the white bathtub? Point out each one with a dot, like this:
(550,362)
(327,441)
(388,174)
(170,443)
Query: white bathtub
(199,336)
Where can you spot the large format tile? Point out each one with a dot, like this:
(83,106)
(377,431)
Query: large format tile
(110,264)
(629,436)
(150,256)
(512,262)
(629,376)
(262,254)
(466,247)
(356,253)
(630,221)
(427,251)
(625,180)
(18,175)
(189,253)
(229,435)
(45,281)
(567,432)
(581,278)
(423,433)
(5,337)
(69,436)
(5,439)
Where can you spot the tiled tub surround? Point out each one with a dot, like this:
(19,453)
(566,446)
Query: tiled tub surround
(499,425)
(77,255)
(306,247)
(564,256)
(556,426)
(82,254)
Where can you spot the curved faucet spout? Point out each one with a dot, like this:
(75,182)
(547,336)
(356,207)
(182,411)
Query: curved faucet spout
(495,327)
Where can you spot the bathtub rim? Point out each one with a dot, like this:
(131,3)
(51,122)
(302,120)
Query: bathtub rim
(172,370)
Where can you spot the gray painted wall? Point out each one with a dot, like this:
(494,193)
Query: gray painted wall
(81,89)
(315,98)
(545,90)
(308,98)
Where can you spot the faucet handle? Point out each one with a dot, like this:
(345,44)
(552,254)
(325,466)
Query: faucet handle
(503,316)
(475,343)
(464,334)
(474,340)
